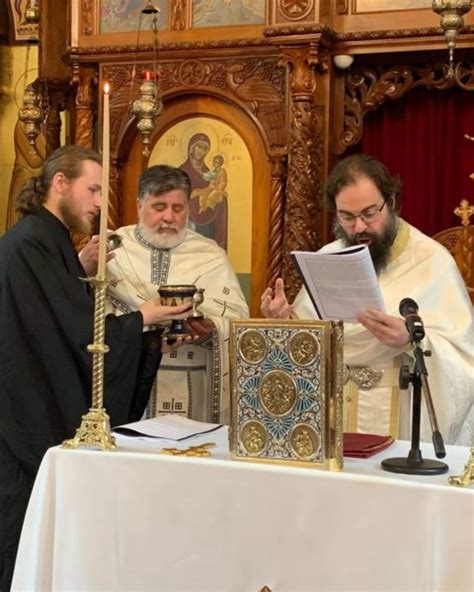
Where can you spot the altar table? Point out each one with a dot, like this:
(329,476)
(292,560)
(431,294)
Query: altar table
(135,519)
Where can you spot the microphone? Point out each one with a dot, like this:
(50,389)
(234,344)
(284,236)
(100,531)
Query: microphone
(409,310)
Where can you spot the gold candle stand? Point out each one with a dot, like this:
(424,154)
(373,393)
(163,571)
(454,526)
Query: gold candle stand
(94,430)
(467,476)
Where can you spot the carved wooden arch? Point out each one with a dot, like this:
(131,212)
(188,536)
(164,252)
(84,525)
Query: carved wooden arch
(177,107)
(367,88)
(128,129)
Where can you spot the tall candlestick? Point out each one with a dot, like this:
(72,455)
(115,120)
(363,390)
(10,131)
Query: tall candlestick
(104,209)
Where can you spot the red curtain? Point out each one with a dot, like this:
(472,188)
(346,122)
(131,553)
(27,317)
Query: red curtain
(421,138)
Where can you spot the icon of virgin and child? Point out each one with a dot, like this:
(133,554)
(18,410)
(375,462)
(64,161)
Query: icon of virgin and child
(208,202)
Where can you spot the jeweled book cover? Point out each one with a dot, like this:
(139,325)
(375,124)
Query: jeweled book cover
(286,399)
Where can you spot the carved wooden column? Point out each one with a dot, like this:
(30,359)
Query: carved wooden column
(304,49)
(55,96)
(54,74)
(120,78)
(305,161)
(115,194)
(277,220)
(85,79)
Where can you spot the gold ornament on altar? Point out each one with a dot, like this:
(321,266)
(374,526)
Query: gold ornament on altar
(200,450)
(148,105)
(451,12)
(31,114)
(467,476)
(286,380)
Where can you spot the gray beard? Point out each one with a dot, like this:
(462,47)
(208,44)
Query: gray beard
(161,241)
(380,247)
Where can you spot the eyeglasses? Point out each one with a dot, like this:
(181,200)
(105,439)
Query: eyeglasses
(368,216)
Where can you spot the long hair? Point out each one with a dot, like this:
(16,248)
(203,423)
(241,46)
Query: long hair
(350,169)
(67,160)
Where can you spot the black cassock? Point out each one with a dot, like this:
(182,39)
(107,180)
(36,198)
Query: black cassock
(46,323)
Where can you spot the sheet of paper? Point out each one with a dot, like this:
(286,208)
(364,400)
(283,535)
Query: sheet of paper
(168,427)
(341,284)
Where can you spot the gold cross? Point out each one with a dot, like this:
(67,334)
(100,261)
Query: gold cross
(201,450)
(464,211)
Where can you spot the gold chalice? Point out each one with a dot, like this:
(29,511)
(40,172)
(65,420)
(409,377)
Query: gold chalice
(174,295)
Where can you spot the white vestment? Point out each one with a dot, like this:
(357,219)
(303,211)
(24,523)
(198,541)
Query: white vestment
(194,379)
(421,269)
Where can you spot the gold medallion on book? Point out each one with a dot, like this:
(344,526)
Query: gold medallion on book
(286,403)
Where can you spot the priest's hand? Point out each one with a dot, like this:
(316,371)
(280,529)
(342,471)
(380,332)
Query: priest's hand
(389,330)
(154,312)
(201,327)
(274,304)
(89,256)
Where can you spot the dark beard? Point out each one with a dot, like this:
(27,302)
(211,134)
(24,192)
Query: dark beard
(379,245)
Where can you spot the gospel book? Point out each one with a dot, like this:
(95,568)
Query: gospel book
(341,284)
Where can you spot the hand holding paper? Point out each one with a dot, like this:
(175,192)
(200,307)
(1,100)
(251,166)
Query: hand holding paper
(341,284)
(389,330)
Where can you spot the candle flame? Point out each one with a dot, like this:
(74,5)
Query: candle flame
(106,88)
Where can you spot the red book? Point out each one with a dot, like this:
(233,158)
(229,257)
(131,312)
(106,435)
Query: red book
(364,445)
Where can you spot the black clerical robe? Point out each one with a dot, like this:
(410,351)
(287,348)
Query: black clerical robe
(46,323)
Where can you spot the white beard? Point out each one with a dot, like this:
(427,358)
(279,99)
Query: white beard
(159,240)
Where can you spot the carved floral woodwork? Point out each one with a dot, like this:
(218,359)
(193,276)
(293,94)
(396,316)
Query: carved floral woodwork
(396,34)
(257,83)
(295,10)
(464,75)
(342,6)
(367,88)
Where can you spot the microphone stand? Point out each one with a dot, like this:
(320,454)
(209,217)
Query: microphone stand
(414,464)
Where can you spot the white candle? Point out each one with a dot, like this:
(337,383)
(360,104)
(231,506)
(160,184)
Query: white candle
(104,209)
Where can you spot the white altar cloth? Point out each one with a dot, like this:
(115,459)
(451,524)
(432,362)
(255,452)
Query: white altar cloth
(137,520)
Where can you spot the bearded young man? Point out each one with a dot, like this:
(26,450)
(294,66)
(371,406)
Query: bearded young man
(161,249)
(408,264)
(46,324)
